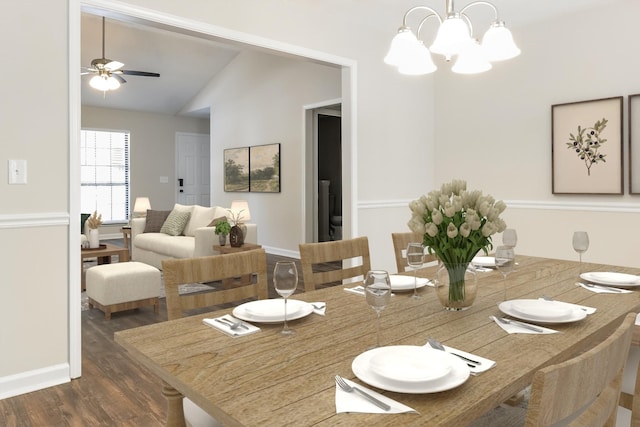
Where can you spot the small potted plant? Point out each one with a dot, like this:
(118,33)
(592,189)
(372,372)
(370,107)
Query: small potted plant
(222,229)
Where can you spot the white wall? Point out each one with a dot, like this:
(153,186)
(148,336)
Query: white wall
(494,130)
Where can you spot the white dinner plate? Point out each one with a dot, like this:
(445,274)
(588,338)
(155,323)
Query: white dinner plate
(409,363)
(400,282)
(272,310)
(484,261)
(525,309)
(612,279)
(459,373)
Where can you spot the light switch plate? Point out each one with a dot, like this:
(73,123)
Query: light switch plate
(17,171)
(164,180)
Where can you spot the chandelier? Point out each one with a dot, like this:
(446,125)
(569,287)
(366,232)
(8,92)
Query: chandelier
(455,38)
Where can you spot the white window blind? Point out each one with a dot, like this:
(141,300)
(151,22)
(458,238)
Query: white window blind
(104,174)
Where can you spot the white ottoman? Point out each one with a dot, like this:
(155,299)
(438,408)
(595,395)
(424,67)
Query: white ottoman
(123,286)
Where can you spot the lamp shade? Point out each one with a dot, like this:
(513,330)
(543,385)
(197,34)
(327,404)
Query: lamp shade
(471,61)
(418,62)
(401,47)
(104,82)
(141,206)
(498,44)
(240,210)
(453,35)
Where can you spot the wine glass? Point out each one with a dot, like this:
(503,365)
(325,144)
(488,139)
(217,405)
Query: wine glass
(580,245)
(504,263)
(415,259)
(510,237)
(285,280)
(378,293)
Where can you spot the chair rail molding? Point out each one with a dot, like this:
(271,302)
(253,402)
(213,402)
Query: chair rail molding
(617,207)
(31,220)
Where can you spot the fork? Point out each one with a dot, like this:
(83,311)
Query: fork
(346,387)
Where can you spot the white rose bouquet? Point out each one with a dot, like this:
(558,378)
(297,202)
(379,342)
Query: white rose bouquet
(456,225)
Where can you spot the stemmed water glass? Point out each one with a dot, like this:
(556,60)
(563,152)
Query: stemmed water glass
(377,289)
(285,280)
(415,259)
(580,245)
(504,263)
(510,237)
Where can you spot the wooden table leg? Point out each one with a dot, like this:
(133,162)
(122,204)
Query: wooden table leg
(175,412)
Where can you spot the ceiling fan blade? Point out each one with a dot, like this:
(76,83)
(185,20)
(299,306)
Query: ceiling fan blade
(139,73)
(118,78)
(114,65)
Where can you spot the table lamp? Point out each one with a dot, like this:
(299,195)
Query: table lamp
(140,207)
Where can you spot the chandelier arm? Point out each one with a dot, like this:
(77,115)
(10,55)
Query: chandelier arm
(408,12)
(485,3)
(423,21)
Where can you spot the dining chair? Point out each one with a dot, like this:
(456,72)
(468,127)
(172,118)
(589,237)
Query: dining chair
(400,243)
(214,268)
(582,391)
(630,391)
(334,262)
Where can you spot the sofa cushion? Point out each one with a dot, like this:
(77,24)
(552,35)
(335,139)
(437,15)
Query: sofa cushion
(200,217)
(175,223)
(154,220)
(165,245)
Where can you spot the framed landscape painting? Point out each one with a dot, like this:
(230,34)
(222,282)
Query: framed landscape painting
(236,169)
(586,147)
(264,162)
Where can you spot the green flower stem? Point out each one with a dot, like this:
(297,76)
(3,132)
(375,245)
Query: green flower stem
(456,281)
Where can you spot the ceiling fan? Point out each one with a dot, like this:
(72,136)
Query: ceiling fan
(108,73)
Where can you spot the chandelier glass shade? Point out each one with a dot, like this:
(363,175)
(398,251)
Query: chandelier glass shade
(454,38)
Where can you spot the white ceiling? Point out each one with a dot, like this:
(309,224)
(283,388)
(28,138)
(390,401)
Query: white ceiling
(187,63)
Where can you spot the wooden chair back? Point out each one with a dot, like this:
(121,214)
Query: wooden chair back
(400,243)
(582,391)
(210,269)
(333,262)
(630,399)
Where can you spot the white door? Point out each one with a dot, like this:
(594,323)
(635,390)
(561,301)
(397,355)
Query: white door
(193,169)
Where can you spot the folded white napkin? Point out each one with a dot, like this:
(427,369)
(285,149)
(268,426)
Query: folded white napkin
(219,324)
(599,289)
(355,402)
(319,307)
(514,328)
(588,310)
(359,290)
(484,365)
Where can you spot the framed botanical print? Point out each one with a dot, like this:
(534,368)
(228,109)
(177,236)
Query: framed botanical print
(634,144)
(586,147)
(236,169)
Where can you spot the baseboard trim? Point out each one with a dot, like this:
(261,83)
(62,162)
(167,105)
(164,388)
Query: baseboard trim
(281,252)
(37,379)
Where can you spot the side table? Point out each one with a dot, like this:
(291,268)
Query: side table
(126,236)
(228,249)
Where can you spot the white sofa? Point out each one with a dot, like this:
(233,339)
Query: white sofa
(198,239)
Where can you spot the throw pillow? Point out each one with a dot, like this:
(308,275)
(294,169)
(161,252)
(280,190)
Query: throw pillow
(175,223)
(200,217)
(154,221)
(216,221)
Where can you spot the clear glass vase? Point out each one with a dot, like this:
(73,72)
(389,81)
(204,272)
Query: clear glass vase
(456,286)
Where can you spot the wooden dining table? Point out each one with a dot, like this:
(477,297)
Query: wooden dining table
(266,379)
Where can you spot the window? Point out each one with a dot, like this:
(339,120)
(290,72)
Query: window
(104,174)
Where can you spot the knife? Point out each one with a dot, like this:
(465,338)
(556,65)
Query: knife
(521,324)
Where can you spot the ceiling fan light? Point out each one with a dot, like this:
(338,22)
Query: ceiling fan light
(419,63)
(498,43)
(452,37)
(113,83)
(401,47)
(471,61)
(99,83)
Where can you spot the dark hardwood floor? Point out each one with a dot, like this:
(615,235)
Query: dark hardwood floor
(113,390)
